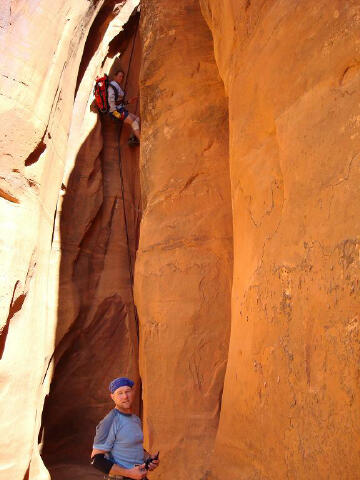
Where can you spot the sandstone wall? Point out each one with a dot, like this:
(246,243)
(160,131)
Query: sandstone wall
(43,44)
(291,397)
(184,260)
(97,337)
(285,197)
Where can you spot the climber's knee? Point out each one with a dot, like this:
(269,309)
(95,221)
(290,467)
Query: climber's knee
(135,124)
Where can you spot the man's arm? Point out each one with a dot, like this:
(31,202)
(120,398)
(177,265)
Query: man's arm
(111,98)
(103,443)
(133,100)
(112,469)
(137,473)
(96,451)
(100,462)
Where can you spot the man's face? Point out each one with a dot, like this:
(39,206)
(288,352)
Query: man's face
(123,397)
(119,77)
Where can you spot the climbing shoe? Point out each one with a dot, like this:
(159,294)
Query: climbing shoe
(133,141)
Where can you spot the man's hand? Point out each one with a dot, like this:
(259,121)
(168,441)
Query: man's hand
(151,461)
(137,473)
(154,464)
(132,100)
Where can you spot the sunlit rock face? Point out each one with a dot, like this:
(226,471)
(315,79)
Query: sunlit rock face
(291,395)
(234,227)
(184,260)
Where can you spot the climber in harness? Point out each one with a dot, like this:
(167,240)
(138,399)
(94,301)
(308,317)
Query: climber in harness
(116,99)
(110,98)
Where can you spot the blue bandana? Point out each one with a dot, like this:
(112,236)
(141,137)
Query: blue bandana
(120,382)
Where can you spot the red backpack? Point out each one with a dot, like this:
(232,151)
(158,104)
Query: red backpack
(101,93)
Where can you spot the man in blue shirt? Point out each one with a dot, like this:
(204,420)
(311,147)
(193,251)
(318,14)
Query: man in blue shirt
(118,443)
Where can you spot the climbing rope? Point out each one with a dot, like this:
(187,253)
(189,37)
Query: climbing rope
(131,57)
(131,276)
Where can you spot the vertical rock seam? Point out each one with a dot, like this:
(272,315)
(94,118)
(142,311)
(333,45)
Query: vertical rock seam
(184,261)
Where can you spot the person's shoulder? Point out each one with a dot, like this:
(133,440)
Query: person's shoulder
(112,87)
(108,419)
(104,427)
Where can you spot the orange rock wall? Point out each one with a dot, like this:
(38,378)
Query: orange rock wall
(275,218)
(184,261)
(291,396)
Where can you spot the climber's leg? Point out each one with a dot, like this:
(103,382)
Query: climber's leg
(134,122)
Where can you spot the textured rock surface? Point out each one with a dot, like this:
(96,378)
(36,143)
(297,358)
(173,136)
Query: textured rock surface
(97,329)
(184,260)
(44,47)
(291,395)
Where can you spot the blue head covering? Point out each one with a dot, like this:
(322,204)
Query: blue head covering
(120,382)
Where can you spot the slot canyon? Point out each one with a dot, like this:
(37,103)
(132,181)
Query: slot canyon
(216,264)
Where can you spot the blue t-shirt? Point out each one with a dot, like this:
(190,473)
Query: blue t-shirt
(121,435)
